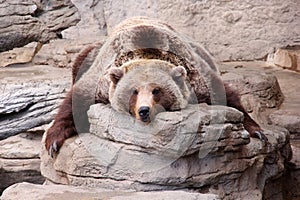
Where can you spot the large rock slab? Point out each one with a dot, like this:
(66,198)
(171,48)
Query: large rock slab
(20,160)
(177,151)
(30,96)
(257,85)
(28,21)
(28,191)
(288,115)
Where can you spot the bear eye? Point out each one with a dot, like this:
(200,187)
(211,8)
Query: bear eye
(156,91)
(135,92)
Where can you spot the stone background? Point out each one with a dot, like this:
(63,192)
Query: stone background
(230,29)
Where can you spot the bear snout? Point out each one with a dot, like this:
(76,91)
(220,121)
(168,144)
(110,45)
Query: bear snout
(144,113)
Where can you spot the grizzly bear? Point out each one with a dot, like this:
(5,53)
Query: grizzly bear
(145,67)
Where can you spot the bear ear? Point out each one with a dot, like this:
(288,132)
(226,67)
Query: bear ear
(178,72)
(115,74)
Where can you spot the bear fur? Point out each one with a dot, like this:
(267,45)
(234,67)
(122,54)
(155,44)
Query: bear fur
(154,85)
(142,52)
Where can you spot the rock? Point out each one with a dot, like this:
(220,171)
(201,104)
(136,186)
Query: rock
(19,160)
(288,115)
(260,91)
(222,27)
(62,52)
(217,157)
(30,96)
(283,59)
(92,24)
(293,173)
(289,119)
(288,58)
(28,191)
(19,55)
(28,21)
(290,180)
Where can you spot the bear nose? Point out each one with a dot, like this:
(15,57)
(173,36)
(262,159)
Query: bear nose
(144,112)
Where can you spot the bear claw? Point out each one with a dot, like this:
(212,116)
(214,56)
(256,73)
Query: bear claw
(53,149)
(262,137)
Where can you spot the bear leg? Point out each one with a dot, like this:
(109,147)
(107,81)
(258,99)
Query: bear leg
(62,128)
(233,100)
(83,61)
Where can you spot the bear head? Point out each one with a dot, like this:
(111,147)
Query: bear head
(144,88)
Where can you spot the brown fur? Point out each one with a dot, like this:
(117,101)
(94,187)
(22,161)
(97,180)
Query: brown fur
(64,126)
(160,99)
(196,81)
(78,63)
(201,74)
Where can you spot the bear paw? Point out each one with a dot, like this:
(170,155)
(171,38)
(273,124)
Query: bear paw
(261,136)
(56,136)
(53,143)
(54,147)
(256,132)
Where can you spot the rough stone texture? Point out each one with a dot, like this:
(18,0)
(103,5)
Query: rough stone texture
(288,115)
(28,21)
(225,165)
(288,58)
(29,97)
(259,89)
(19,159)
(92,22)
(288,119)
(293,173)
(231,30)
(19,55)
(63,52)
(28,191)
(224,27)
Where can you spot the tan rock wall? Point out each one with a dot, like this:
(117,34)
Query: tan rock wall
(230,29)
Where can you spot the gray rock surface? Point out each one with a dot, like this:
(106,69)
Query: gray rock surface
(223,27)
(259,89)
(29,97)
(20,160)
(28,21)
(92,22)
(231,29)
(120,153)
(62,53)
(19,55)
(293,173)
(288,115)
(28,191)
